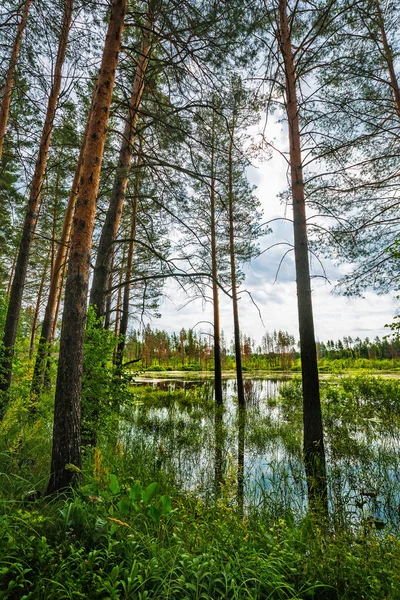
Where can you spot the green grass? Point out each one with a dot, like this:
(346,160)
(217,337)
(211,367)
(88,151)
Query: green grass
(101,546)
(131,531)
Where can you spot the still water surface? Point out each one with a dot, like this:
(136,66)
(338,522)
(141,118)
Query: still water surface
(188,441)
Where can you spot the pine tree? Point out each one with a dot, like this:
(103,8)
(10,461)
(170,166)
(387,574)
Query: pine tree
(314,452)
(29,225)
(10,74)
(114,212)
(67,412)
(356,119)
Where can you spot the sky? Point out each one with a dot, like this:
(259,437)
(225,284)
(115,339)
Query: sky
(275,294)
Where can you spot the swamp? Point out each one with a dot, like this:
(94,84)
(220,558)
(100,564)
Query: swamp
(199,309)
(181,500)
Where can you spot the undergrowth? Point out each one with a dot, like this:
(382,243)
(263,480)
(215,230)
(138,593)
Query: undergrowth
(122,540)
(131,532)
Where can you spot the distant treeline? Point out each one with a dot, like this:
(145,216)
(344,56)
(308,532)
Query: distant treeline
(193,350)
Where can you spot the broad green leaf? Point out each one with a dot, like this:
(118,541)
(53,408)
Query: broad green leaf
(124,507)
(136,492)
(154,513)
(151,491)
(166,503)
(114,573)
(114,485)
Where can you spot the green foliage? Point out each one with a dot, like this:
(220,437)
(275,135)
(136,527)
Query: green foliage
(128,532)
(88,548)
(188,352)
(104,388)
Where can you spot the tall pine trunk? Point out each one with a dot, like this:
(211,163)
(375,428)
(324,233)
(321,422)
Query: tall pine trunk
(219,407)
(235,308)
(114,212)
(29,225)
(118,311)
(67,410)
(10,280)
(388,55)
(9,82)
(58,301)
(50,318)
(47,365)
(108,309)
(214,269)
(37,307)
(128,270)
(314,452)
(236,326)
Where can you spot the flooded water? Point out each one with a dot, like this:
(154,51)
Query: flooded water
(257,455)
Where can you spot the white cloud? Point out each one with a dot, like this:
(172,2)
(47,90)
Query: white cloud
(334,316)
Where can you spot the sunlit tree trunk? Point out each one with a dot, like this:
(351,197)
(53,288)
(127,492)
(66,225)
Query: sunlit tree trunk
(118,304)
(29,225)
(53,235)
(59,298)
(314,452)
(67,410)
(114,212)
(47,363)
(12,273)
(9,81)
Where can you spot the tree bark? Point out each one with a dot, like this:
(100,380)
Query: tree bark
(214,268)
(12,272)
(118,306)
(53,236)
(128,271)
(388,54)
(114,212)
(50,318)
(67,410)
(37,307)
(314,452)
(17,288)
(9,83)
(107,316)
(59,298)
(47,363)
(236,326)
